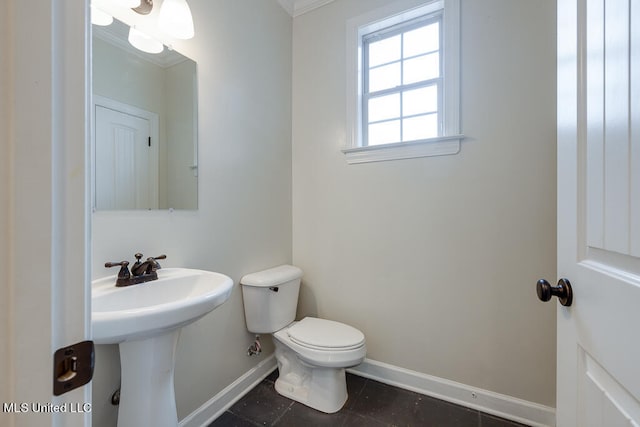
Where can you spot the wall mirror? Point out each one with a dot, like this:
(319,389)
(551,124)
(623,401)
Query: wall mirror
(145,125)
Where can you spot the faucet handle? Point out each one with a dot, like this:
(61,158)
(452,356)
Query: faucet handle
(124,273)
(137,263)
(154,259)
(114,264)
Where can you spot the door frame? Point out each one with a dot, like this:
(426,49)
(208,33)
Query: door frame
(48,215)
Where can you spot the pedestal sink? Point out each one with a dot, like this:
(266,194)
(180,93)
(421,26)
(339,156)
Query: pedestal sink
(145,321)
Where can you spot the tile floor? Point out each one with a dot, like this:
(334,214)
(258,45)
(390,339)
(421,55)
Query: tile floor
(370,404)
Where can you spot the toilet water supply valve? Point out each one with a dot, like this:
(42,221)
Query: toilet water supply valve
(255,348)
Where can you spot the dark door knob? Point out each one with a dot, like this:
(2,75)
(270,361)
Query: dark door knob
(563,291)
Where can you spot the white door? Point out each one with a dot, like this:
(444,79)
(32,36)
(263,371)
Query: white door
(125,161)
(46,284)
(599,212)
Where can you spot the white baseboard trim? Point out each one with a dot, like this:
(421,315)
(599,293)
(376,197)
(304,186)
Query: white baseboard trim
(222,401)
(501,405)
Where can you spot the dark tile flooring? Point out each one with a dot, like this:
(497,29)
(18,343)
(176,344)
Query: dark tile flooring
(370,404)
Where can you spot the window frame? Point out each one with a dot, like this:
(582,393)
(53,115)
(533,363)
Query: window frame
(383,19)
(367,94)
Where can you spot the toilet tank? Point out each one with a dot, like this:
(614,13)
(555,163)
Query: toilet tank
(271,298)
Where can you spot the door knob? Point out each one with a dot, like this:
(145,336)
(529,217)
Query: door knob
(563,291)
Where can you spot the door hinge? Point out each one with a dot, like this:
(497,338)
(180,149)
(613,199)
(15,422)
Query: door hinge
(73,367)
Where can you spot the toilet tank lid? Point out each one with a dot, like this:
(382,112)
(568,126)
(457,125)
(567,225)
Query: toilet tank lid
(272,277)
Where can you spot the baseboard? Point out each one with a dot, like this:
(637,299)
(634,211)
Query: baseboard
(222,401)
(501,405)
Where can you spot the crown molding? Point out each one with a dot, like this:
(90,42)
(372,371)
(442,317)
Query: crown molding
(299,7)
(116,34)
(288,5)
(304,6)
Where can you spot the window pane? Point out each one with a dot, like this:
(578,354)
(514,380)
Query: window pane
(420,127)
(422,40)
(384,77)
(384,107)
(420,101)
(421,68)
(384,133)
(383,51)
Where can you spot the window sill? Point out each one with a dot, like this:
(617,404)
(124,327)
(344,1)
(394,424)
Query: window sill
(440,146)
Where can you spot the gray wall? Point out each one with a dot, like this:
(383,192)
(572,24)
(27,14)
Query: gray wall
(182,188)
(243,224)
(5,182)
(436,259)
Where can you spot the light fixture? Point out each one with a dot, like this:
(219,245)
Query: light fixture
(99,17)
(141,41)
(128,3)
(145,7)
(175,19)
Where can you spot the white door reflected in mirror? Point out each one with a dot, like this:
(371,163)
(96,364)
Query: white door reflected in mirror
(163,85)
(126,160)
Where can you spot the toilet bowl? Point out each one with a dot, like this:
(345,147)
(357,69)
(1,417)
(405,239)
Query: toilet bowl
(312,366)
(312,353)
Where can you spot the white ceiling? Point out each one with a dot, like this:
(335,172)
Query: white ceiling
(298,7)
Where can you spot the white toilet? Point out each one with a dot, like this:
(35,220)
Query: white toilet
(312,353)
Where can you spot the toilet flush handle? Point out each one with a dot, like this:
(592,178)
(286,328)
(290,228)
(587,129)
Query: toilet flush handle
(274,288)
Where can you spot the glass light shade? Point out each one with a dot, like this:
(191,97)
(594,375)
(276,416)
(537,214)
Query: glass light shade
(141,41)
(128,3)
(175,19)
(99,17)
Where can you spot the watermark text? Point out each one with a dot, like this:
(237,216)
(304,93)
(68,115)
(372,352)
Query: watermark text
(36,407)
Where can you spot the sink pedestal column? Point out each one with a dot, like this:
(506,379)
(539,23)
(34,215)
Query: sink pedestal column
(147,396)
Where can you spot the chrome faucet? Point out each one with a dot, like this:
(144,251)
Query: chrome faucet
(141,271)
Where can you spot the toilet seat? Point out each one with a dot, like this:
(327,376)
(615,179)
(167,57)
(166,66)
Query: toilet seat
(322,334)
(318,331)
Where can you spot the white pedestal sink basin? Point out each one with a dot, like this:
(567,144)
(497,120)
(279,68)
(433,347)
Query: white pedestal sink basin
(145,321)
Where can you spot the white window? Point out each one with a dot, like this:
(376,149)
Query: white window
(403,74)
